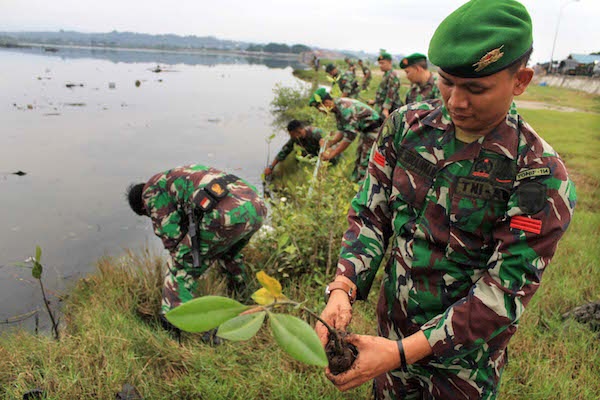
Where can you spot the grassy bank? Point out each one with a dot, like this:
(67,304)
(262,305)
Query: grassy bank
(110,335)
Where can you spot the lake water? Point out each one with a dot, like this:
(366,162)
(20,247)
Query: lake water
(82,146)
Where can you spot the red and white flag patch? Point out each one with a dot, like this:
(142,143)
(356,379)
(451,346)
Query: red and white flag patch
(526,224)
(379,159)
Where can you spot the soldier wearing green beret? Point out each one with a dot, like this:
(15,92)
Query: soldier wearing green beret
(473,203)
(423,82)
(387,97)
(346,82)
(354,119)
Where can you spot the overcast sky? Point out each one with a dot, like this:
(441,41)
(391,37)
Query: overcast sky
(399,26)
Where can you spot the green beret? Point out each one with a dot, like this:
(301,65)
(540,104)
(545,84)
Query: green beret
(412,59)
(384,56)
(481,37)
(318,96)
(329,68)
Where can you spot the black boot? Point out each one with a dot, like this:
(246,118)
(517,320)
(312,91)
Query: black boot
(211,338)
(169,327)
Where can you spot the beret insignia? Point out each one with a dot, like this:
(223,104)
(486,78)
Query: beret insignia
(490,58)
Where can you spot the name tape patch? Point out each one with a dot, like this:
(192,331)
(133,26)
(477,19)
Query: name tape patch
(530,173)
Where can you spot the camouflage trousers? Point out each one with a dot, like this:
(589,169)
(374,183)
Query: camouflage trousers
(363,151)
(224,250)
(440,382)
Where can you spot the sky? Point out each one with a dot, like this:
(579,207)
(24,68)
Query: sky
(399,26)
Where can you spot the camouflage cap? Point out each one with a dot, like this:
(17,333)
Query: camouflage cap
(329,68)
(412,59)
(384,55)
(318,96)
(481,37)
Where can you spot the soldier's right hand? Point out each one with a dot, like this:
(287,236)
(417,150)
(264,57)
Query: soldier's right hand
(268,171)
(337,313)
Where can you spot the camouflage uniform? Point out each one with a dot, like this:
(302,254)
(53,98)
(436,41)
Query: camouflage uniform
(428,91)
(310,143)
(223,231)
(366,77)
(357,119)
(472,228)
(388,92)
(348,84)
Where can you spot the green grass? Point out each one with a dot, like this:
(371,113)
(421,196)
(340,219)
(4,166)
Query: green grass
(110,336)
(562,97)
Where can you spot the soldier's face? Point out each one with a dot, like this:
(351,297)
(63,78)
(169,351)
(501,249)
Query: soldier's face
(477,105)
(411,73)
(298,133)
(385,65)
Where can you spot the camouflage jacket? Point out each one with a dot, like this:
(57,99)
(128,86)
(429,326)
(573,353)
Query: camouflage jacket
(355,118)
(310,143)
(348,84)
(366,76)
(472,228)
(388,92)
(167,194)
(428,91)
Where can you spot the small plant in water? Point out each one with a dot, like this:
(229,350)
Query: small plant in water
(237,322)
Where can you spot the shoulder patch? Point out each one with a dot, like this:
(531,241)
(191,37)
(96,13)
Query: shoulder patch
(531,197)
(530,173)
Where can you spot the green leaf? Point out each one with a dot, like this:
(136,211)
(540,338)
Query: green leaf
(298,339)
(204,313)
(283,239)
(242,327)
(38,254)
(36,272)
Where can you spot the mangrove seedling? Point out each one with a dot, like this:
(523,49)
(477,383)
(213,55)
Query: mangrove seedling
(237,322)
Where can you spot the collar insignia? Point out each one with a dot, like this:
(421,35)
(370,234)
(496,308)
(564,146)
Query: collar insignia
(489,58)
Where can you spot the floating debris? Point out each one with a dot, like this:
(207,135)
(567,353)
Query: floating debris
(50,114)
(137,83)
(75,104)
(19,173)
(72,85)
(214,120)
(112,85)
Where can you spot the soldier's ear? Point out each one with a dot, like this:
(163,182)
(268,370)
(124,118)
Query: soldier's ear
(522,79)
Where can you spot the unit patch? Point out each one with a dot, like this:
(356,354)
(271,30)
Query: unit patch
(416,163)
(531,197)
(530,173)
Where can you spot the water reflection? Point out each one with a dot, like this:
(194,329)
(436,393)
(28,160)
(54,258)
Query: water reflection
(161,57)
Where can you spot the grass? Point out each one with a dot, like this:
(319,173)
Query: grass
(110,336)
(563,97)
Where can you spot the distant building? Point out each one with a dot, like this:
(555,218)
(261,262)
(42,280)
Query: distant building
(580,64)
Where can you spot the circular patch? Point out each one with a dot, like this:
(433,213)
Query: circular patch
(531,197)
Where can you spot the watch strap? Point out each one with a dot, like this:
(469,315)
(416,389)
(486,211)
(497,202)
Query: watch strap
(339,285)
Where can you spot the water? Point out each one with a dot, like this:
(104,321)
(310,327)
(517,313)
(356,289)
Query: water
(82,146)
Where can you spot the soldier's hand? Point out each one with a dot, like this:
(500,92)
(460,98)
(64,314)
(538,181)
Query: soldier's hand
(371,102)
(376,355)
(385,112)
(337,313)
(268,171)
(326,156)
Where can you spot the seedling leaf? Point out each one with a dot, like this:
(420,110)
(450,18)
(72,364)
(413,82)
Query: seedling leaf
(298,339)
(204,313)
(242,327)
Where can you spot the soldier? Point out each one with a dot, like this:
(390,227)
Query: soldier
(225,211)
(473,203)
(423,82)
(366,75)
(346,81)
(387,97)
(353,119)
(307,137)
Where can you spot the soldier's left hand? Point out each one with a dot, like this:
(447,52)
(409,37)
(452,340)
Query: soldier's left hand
(376,355)
(326,156)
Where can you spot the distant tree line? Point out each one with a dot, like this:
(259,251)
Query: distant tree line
(278,48)
(142,40)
